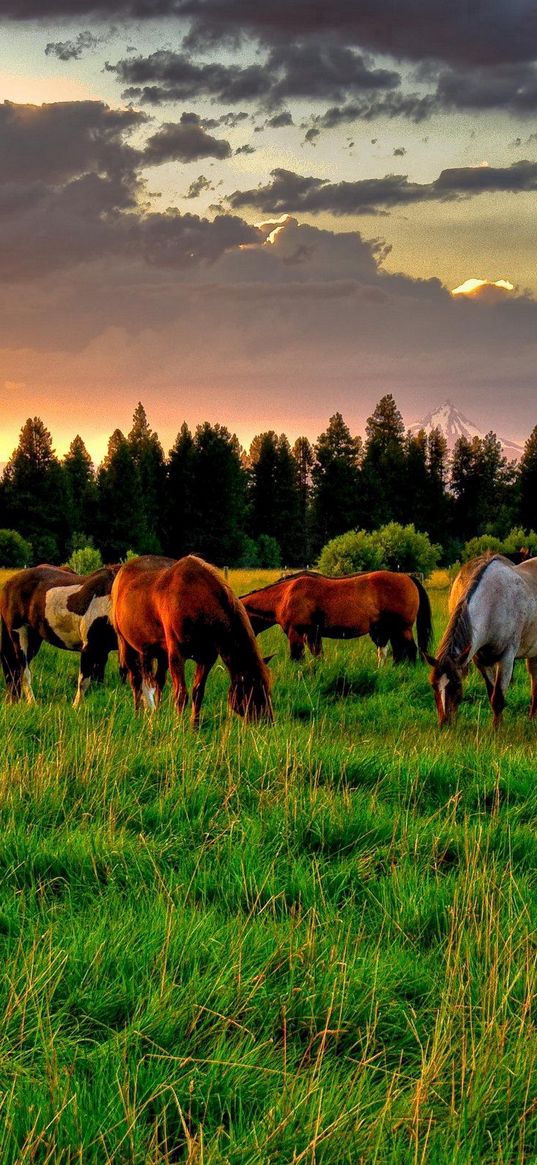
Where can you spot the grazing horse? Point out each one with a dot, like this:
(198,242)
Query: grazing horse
(493,622)
(308,607)
(167,611)
(55,605)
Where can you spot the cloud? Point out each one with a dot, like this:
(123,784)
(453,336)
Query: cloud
(198,186)
(72,50)
(71,192)
(51,143)
(468,33)
(280,120)
(295,305)
(290,192)
(183,141)
(312,70)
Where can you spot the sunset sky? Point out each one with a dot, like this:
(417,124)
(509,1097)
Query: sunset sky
(258,213)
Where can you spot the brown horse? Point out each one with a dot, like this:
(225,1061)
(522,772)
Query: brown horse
(168,611)
(54,605)
(309,607)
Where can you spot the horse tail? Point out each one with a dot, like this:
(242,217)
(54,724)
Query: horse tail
(8,657)
(424,620)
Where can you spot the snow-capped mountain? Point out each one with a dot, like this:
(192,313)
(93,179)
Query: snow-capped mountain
(454,424)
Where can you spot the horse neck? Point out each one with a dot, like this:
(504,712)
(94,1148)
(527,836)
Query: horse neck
(239,649)
(263,603)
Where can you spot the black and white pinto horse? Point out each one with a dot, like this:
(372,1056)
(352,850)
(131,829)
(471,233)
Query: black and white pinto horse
(493,623)
(53,605)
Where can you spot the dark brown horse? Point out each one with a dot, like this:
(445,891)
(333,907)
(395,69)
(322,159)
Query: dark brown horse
(53,605)
(309,607)
(166,612)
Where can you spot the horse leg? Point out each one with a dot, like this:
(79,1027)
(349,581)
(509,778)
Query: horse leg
(488,676)
(129,661)
(28,647)
(382,655)
(504,672)
(296,644)
(177,671)
(85,673)
(198,690)
(531,665)
(315,641)
(11,665)
(403,646)
(160,667)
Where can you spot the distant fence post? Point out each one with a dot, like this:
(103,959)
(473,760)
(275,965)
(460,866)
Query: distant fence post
(226,571)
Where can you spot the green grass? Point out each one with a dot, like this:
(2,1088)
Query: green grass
(308,943)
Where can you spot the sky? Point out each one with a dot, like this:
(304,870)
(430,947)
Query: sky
(258,214)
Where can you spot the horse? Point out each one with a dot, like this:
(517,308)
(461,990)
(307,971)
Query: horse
(309,607)
(493,623)
(54,605)
(167,611)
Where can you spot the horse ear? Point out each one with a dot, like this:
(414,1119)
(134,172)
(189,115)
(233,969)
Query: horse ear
(430,659)
(267,658)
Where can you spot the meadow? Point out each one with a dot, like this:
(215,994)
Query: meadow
(307,943)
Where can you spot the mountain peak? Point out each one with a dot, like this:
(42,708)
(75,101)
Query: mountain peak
(454,424)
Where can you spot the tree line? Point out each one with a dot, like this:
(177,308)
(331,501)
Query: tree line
(272,505)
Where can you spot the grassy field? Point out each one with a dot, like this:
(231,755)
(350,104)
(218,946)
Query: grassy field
(308,943)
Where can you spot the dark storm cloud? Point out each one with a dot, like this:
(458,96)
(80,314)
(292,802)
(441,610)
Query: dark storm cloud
(463,31)
(72,50)
(280,120)
(291,192)
(51,143)
(183,141)
(70,191)
(311,71)
(508,87)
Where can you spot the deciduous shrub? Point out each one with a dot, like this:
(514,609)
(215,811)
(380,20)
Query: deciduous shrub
(14,549)
(392,547)
(85,560)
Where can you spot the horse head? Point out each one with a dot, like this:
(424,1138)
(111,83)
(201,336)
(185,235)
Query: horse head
(446,681)
(249,695)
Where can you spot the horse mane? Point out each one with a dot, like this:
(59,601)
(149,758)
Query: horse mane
(458,633)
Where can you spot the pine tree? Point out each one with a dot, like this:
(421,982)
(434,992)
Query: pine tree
(528,483)
(384,469)
(484,488)
(274,496)
(81,488)
(304,459)
(148,457)
(180,536)
(335,502)
(35,493)
(120,520)
(219,494)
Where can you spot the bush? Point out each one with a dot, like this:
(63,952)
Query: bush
(405,548)
(349,553)
(392,547)
(268,552)
(516,541)
(249,555)
(85,560)
(480,545)
(14,549)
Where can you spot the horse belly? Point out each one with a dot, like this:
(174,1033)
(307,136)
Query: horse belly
(63,623)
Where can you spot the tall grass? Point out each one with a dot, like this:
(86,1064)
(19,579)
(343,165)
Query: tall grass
(308,943)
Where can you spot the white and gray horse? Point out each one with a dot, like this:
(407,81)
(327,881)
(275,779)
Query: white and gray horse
(493,623)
